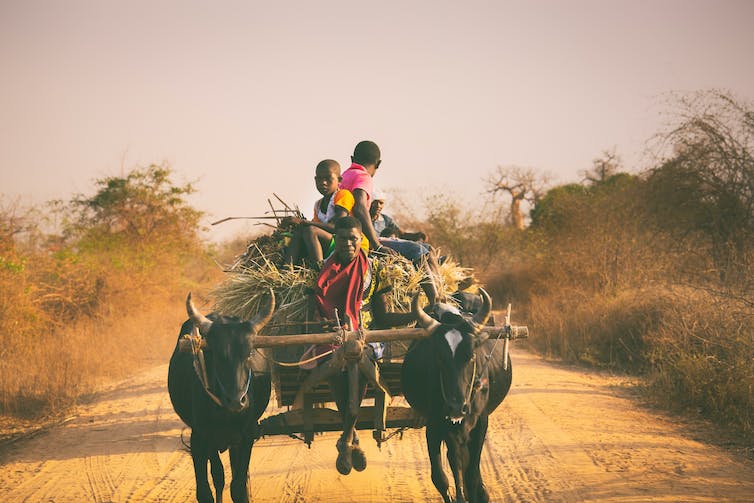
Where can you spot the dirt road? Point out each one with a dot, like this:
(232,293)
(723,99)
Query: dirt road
(562,435)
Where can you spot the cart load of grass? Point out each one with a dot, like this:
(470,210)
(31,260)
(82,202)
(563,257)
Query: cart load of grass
(259,270)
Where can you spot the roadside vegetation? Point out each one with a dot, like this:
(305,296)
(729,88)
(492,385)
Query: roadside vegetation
(650,273)
(99,296)
(647,272)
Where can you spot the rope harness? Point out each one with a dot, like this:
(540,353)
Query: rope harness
(299,363)
(487,360)
(508,331)
(200,367)
(472,386)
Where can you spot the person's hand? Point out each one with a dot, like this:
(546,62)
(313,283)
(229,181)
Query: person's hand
(415,236)
(383,251)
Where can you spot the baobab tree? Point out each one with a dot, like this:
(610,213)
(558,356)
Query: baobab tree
(603,167)
(520,184)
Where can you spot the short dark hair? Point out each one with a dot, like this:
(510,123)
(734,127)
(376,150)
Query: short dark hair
(329,164)
(347,222)
(366,153)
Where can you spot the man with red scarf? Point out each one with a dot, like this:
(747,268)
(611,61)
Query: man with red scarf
(344,282)
(340,285)
(348,279)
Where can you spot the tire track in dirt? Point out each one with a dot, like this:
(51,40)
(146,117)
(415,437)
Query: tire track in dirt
(563,435)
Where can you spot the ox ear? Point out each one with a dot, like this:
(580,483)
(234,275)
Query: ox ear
(425,321)
(264,316)
(197,318)
(481,317)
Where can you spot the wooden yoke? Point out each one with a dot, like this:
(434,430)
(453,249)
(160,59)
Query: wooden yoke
(395,334)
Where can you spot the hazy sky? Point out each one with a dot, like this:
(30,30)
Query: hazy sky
(247,97)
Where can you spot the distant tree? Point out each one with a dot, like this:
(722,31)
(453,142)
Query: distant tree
(520,184)
(703,193)
(14,220)
(474,237)
(603,167)
(593,235)
(145,205)
(448,226)
(554,208)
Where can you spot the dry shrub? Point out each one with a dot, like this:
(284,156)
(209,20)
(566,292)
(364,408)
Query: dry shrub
(90,303)
(69,321)
(515,284)
(48,371)
(694,348)
(594,329)
(702,358)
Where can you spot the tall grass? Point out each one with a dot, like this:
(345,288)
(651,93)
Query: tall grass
(603,331)
(695,349)
(702,357)
(97,300)
(69,320)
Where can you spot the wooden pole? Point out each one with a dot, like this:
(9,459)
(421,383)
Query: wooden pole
(395,334)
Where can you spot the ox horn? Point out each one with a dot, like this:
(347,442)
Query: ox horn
(263,317)
(196,317)
(426,321)
(481,317)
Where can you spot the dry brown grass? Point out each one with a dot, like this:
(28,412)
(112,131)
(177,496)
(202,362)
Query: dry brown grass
(68,325)
(50,370)
(597,330)
(702,359)
(99,299)
(694,349)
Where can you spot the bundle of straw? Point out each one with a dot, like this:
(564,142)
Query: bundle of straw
(265,248)
(453,277)
(245,290)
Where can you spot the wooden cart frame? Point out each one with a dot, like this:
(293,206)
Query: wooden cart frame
(306,396)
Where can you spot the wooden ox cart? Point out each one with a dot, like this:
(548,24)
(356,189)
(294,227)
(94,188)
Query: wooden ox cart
(307,396)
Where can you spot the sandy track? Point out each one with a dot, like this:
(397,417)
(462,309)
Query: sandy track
(562,435)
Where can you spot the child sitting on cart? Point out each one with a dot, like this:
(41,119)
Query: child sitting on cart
(312,239)
(386,226)
(410,245)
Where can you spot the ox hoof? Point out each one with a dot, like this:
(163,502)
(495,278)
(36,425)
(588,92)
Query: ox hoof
(358,459)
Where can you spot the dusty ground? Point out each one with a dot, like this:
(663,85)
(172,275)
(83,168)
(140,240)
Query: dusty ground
(562,435)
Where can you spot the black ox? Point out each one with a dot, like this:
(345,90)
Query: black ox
(214,391)
(455,379)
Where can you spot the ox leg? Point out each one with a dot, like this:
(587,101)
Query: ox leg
(218,474)
(458,458)
(240,455)
(475,489)
(439,479)
(200,456)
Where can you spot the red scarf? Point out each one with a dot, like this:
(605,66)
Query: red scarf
(341,286)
